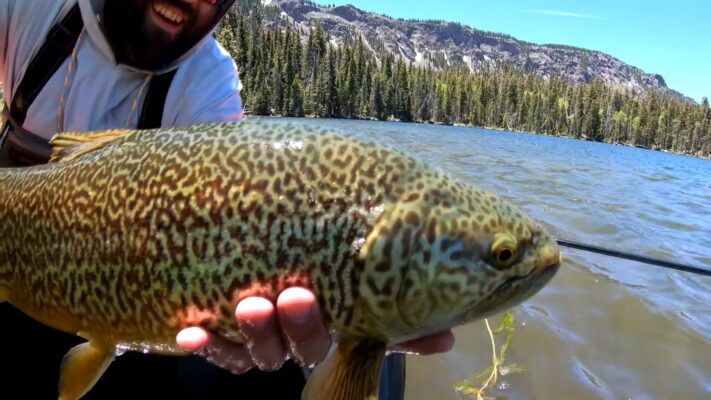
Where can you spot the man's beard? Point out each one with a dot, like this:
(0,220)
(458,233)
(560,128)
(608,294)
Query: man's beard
(138,43)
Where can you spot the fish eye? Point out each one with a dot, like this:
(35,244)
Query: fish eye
(503,251)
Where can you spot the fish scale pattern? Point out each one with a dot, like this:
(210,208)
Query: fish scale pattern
(159,230)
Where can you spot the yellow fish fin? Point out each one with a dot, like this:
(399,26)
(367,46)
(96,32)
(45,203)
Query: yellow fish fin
(350,372)
(69,146)
(82,367)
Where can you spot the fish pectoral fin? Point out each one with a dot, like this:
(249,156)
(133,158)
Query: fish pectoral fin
(350,372)
(82,367)
(69,146)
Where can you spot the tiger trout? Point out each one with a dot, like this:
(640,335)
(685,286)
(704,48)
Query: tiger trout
(127,237)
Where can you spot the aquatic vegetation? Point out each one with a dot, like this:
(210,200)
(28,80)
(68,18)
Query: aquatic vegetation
(489,376)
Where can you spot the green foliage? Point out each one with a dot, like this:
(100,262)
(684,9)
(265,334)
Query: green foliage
(285,72)
(489,376)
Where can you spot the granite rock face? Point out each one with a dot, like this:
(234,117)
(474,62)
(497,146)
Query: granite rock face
(441,44)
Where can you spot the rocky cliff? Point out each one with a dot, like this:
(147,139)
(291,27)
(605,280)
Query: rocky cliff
(440,44)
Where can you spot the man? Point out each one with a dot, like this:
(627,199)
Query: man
(124,47)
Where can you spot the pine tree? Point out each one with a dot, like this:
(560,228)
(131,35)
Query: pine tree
(282,76)
(377,105)
(296,99)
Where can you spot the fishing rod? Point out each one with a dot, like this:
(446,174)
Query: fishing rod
(633,257)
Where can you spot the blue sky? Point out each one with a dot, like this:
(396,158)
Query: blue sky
(670,38)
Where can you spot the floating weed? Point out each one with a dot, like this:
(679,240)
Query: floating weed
(488,377)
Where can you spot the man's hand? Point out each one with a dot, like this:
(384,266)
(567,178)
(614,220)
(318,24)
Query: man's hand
(299,334)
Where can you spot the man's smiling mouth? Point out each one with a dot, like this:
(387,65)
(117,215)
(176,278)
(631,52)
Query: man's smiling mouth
(168,12)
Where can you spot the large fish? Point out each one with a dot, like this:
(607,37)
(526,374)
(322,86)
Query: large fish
(127,237)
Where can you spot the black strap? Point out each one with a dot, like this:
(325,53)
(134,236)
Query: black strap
(58,46)
(26,148)
(20,146)
(154,103)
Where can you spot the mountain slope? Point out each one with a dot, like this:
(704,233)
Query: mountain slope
(441,44)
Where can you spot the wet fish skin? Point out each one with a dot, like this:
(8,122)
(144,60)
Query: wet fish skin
(137,235)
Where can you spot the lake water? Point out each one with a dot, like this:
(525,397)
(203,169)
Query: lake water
(603,328)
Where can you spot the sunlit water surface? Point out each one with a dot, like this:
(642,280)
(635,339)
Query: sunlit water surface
(603,328)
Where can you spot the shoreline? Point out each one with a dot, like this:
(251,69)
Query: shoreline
(459,125)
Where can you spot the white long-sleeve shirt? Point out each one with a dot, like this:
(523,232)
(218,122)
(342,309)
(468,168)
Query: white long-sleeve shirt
(205,88)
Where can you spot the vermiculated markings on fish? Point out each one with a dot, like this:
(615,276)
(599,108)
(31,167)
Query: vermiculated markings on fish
(137,235)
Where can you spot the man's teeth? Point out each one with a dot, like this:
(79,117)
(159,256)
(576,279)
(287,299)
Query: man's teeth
(168,14)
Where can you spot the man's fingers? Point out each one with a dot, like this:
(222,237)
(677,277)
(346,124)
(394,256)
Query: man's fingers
(257,321)
(300,320)
(438,343)
(193,339)
(225,354)
(302,329)
(218,351)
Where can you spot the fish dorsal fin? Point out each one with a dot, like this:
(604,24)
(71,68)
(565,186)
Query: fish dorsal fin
(69,146)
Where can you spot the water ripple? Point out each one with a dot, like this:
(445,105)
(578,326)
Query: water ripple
(603,328)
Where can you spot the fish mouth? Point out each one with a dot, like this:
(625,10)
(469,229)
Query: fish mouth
(544,274)
(509,282)
(547,273)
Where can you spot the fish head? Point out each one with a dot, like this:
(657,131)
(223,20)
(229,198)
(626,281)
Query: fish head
(467,254)
(510,269)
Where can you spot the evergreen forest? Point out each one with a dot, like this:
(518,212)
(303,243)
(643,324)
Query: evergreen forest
(284,74)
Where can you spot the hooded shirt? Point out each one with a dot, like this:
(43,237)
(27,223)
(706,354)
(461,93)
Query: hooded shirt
(101,93)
